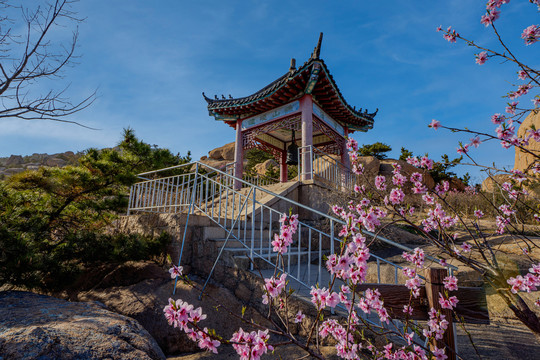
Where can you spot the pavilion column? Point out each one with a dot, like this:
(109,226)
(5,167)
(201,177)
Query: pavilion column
(306,106)
(283,176)
(238,155)
(345,160)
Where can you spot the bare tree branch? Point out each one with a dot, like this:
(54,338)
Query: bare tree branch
(27,60)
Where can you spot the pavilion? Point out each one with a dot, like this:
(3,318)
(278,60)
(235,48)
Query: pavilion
(304,105)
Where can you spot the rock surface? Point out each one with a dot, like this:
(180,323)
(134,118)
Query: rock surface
(144,301)
(36,326)
(17,163)
(263,167)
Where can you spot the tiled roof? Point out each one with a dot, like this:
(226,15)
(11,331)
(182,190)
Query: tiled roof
(291,86)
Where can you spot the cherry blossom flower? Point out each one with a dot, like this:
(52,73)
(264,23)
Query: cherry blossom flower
(299,317)
(522,74)
(478,213)
(466,247)
(497,119)
(426,163)
(434,124)
(380,182)
(176,271)
(396,196)
(511,108)
(450,283)
(352,144)
(475,141)
(481,58)
(531,34)
(252,345)
(488,18)
(450,35)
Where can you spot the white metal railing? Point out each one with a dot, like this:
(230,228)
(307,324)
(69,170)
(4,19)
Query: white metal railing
(326,168)
(252,223)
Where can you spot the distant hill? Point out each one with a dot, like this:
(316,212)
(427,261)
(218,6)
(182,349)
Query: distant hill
(17,163)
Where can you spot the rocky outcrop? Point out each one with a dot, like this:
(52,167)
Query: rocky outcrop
(144,301)
(225,152)
(17,163)
(493,183)
(263,167)
(44,327)
(524,160)
(14,160)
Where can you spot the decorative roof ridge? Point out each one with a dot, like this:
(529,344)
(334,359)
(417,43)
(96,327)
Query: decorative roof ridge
(338,91)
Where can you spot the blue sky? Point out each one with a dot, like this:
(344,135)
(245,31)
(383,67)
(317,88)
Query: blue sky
(151,60)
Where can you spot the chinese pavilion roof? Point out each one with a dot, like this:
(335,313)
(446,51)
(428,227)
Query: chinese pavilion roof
(312,78)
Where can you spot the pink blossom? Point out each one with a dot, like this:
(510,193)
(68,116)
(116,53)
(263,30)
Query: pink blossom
(497,119)
(522,74)
(531,34)
(481,58)
(206,342)
(416,177)
(490,17)
(450,35)
(463,149)
(428,199)
(407,309)
(396,196)
(352,144)
(450,283)
(380,182)
(434,124)
(299,317)
(466,247)
(413,160)
(478,213)
(475,141)
(511,108)
(274,286)
(176,271)
(251,345)
(426,163)
(439,354)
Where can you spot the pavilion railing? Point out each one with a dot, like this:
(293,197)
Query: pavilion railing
(324,167)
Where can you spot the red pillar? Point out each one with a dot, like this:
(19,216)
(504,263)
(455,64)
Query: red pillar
(238,155)
(345,160)
(306,106)
(283,176)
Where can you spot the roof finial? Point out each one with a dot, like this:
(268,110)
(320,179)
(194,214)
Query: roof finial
(317,51)
(293,65)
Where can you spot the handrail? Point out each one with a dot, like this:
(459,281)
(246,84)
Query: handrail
(295,203)
(261,189)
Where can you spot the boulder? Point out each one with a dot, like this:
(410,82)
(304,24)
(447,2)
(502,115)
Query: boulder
(44,327)
(489,184)
(225,152)
(14,160)
(524,160)
(371,164)
(263,167)
(145,300)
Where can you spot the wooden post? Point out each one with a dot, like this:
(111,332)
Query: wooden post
(283,175)
(306,106)
(238,155)
(434,286)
